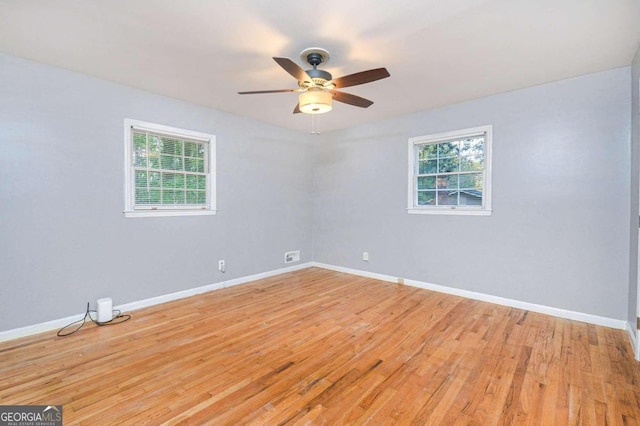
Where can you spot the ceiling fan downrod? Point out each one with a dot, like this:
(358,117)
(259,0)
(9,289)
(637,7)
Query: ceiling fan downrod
(319,77)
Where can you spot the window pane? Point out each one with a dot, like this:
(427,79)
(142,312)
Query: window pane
(194,165)
(179,181)
(446,165)
(154,196)
(202,197)
(191,164)
(178,197)
(178,163)
(139,140)
(190,149)
(429,166)
(471,180)
(448,181)
(168,197)
(139,150)
(139,159)
(171,146)
(202,182)
(192,197)
(449,149)
(471,197)
(192,182)
(170,162)
(471,163)
(173,180)
(426,198)
(154,162)
(427,151)
(193,149)
(168,180)
(426,182)
(142,196)
(155,145)
(141,179)
(447,198)
(154,179)
(472,146)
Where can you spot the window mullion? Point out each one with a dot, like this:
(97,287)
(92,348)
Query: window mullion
(162,171)
(146,144)
(208,184)
(458,174)
(436,193)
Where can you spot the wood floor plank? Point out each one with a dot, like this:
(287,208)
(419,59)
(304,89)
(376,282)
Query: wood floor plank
(318,347)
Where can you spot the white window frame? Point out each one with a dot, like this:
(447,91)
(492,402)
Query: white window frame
(485,208)
(130,209)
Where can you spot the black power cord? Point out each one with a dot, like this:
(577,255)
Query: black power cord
(118,318)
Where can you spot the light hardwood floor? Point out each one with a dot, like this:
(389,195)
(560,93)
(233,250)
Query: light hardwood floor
(322,347)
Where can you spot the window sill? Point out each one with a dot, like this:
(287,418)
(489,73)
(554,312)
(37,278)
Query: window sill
(167,213)
(450,211)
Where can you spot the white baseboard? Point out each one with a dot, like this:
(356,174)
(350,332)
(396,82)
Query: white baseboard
(204,289)
(633,339)
(562,313)
(59,323)
(38,328)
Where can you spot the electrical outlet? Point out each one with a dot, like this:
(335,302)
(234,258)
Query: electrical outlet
(221,266)
(292,256)
(365,256)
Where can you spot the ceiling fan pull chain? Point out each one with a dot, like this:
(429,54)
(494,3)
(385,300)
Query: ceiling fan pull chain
(315,124)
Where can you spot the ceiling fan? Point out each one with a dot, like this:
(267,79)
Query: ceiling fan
(317,87)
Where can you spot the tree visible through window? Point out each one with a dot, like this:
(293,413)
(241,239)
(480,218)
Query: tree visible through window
(450,171)
(169,170)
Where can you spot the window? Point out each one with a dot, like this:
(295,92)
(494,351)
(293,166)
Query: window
(450,173)
(168,171)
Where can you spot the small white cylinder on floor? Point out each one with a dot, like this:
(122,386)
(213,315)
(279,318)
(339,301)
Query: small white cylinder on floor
(104,307)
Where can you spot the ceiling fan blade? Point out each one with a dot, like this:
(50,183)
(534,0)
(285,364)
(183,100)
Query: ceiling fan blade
(296,110)
(350,99)
(268,91)
(293,69)
(360,78)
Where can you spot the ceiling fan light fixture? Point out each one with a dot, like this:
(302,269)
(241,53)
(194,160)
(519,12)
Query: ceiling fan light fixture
(315,102)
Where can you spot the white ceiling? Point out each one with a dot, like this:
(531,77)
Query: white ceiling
(437,51)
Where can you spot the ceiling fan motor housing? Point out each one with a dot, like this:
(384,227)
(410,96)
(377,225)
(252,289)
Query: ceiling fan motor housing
(319,76)
(314,59)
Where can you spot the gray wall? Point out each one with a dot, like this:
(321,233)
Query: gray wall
(635,190)
(559,233)
(64,238)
